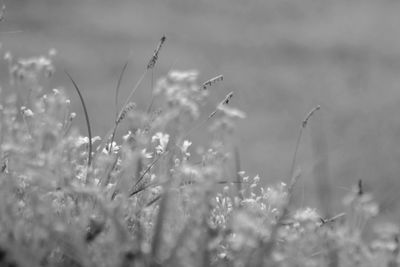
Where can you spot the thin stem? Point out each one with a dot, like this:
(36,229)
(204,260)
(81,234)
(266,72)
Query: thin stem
(267,247)
(151,90)
(86,117)
(121,75)
(303,125)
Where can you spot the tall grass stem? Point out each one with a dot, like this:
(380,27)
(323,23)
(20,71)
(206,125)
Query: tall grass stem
(86,117)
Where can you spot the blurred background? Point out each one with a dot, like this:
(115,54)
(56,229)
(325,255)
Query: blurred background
(280,57)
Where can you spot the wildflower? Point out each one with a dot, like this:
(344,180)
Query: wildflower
(162,142)
(145,154)
(128,137)
(96,138)
(307,214)
(113,147)
(186,144)
(85,140)
(181,91)
(82,140)
(26,111)
(183,76)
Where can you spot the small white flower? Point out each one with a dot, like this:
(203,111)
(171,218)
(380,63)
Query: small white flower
(145,154)
(186,144)
(114,148)
(26,111)
(127,136)
(162,140)
(179,76)
(306,214)
(96,138)
(82,140)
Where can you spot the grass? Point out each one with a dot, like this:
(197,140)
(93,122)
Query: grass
(89,129)
(149,201)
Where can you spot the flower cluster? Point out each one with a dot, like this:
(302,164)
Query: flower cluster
(180,90)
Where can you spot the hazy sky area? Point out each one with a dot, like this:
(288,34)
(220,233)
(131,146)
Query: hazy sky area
(279,57)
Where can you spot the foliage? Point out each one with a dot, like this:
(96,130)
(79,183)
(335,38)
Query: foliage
(154,198)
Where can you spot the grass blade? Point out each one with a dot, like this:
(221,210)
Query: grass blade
(152,94)
(86,117)
(147,170)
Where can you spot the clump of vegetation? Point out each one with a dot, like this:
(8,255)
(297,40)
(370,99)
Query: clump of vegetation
(155,198)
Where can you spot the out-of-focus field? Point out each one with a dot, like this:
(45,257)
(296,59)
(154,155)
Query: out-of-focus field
(280,57)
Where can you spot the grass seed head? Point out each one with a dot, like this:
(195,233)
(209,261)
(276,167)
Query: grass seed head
(125,111)
(212,81)
(154,58)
